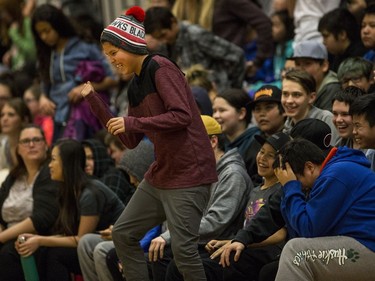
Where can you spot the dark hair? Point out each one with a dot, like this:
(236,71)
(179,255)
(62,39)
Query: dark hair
(14,9)
(21,109)
(60,23)
(7,79)
(109,138)
(297,152)
(20,168)
(158,18)
(237,98)
(348,95)
(221,141)
(370,9)
(339,20)
(303,78)
(364,106)
(287,21)
(73,162)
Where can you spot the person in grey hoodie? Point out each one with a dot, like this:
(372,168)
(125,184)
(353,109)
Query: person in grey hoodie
(223,215)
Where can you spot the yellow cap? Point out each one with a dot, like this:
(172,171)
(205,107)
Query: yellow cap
(211,125)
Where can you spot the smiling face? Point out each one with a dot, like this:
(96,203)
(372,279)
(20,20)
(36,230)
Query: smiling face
(364,135)
(55,166)
(342,120)
(265,159)
(230,119)
(32,146)
(295,100)
(10,121)
(268,117)
(124,62)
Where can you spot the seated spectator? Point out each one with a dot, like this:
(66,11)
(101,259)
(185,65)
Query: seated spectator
(367,32)
(312,57)
(298,96)
(362,112)
(356,71)
(282,33)
(341,36)
(268,220)
(115,146)
(100,165)
(342,119)
(337,244)
(86,205)
(190,44)
(7,90)
(14,115)
(268,113)
(267,110)
(223,214)
(231,110)
(31,98)
(94,248)
(197,75)
(252,259)
(16,19)
(27,199)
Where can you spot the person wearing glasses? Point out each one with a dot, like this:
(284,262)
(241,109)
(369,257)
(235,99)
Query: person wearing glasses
(85,205)
(28,198)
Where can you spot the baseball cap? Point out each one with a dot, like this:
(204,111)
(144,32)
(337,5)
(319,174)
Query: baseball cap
(314,130)
(277,140)
(211,125)
(266,93)
(311,50)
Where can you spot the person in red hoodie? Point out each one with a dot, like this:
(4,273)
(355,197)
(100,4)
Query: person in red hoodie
(176,186)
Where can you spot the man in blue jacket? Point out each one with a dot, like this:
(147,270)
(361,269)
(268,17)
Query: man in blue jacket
(336,218)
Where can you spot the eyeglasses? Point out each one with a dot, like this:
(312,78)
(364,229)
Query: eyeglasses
(27,142)
(354,80)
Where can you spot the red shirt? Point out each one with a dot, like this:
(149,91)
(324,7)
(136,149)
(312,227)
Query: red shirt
(162,107)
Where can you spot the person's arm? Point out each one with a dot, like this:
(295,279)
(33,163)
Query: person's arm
(29,7)
(33,242)
(23,40)
(102,111)
(278,237)
(25,226)
(230,195)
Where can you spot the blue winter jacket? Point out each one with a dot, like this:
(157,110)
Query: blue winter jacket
(341,201)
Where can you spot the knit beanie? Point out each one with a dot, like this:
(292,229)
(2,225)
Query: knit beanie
(127,32)
(137,161)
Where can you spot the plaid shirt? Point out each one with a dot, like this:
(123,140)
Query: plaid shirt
(196,45)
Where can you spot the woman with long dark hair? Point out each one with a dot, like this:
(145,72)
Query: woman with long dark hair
(86,205)
(66,59)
